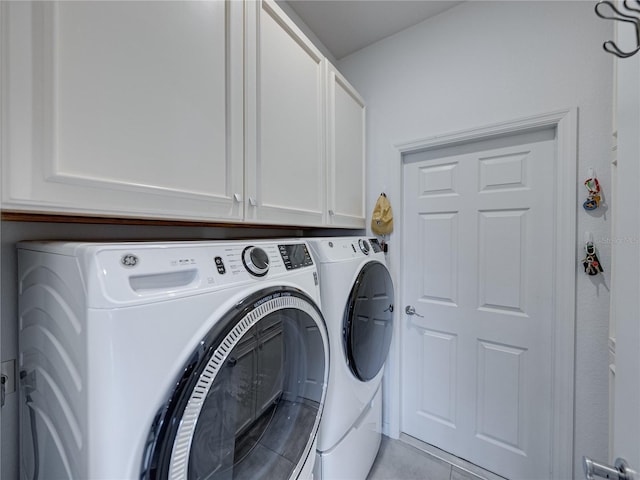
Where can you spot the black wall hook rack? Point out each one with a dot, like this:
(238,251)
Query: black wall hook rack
(607,10)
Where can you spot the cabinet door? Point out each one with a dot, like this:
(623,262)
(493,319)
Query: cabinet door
(346,153)
(285,143)
(124,108)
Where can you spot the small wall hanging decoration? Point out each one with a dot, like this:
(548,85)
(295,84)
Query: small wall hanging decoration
(590,262)
(382,217)
(593,187)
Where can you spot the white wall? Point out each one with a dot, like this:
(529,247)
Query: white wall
(483,63)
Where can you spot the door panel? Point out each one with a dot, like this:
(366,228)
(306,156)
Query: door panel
(500,395)
(479,249)
(501,239)
(440,263)
(438,354)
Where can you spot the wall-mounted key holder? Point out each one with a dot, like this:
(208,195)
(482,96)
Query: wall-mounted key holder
(590,262)
(593,187)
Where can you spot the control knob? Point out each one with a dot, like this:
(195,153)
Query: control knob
(256,261)
(364,246)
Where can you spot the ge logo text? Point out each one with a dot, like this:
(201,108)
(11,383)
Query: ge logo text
(129,260)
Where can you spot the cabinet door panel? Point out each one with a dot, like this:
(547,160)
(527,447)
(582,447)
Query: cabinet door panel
(139,111)
(288,167)
(143,96)
(346,131)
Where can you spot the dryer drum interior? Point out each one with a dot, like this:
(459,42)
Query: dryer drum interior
(368,321)
(250,399)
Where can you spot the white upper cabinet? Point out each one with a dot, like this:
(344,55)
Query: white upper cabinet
(123,108)
(345,152)
(212,111)
(285,144)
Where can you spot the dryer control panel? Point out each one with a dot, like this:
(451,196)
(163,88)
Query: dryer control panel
(338,249)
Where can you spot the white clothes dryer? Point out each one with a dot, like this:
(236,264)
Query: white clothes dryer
(185,360)
(357,301)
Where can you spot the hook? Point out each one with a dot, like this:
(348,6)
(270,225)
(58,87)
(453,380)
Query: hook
(626,5)
(588,237)
(609,46)
(610,4)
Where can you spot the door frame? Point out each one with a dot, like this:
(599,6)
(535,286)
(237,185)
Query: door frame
(565,123)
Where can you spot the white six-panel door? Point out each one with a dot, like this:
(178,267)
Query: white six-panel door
(477,355)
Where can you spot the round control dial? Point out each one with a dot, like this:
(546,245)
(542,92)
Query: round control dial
(364,246)
(256,261)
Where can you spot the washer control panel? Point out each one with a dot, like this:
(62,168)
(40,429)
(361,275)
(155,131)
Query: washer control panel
(220,265)
(255,260)
(143,270)
(295,255)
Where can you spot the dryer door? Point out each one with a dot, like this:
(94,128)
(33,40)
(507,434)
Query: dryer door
(250,399)
(368,321)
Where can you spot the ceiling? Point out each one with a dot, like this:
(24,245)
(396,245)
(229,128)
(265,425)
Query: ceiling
(345,26)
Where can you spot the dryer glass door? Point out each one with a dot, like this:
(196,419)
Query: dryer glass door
(250,399)
(368,321)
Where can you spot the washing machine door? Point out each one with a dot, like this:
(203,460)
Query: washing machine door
(368,321)
(250,399)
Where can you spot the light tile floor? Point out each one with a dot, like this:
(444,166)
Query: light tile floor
(410,459)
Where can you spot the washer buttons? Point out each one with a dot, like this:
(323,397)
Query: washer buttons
(220,265)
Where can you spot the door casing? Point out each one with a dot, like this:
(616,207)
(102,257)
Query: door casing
(565,123)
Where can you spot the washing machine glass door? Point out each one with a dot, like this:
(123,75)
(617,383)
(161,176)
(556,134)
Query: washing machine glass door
(368,321)
(250,399)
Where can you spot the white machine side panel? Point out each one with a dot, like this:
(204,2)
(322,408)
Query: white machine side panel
(54,359)
(356,452)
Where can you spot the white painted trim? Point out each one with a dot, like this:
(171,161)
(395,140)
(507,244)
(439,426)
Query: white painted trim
(4,27)
(566,124)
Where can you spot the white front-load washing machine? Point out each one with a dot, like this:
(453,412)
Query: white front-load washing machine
(185,360)
(357,301)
